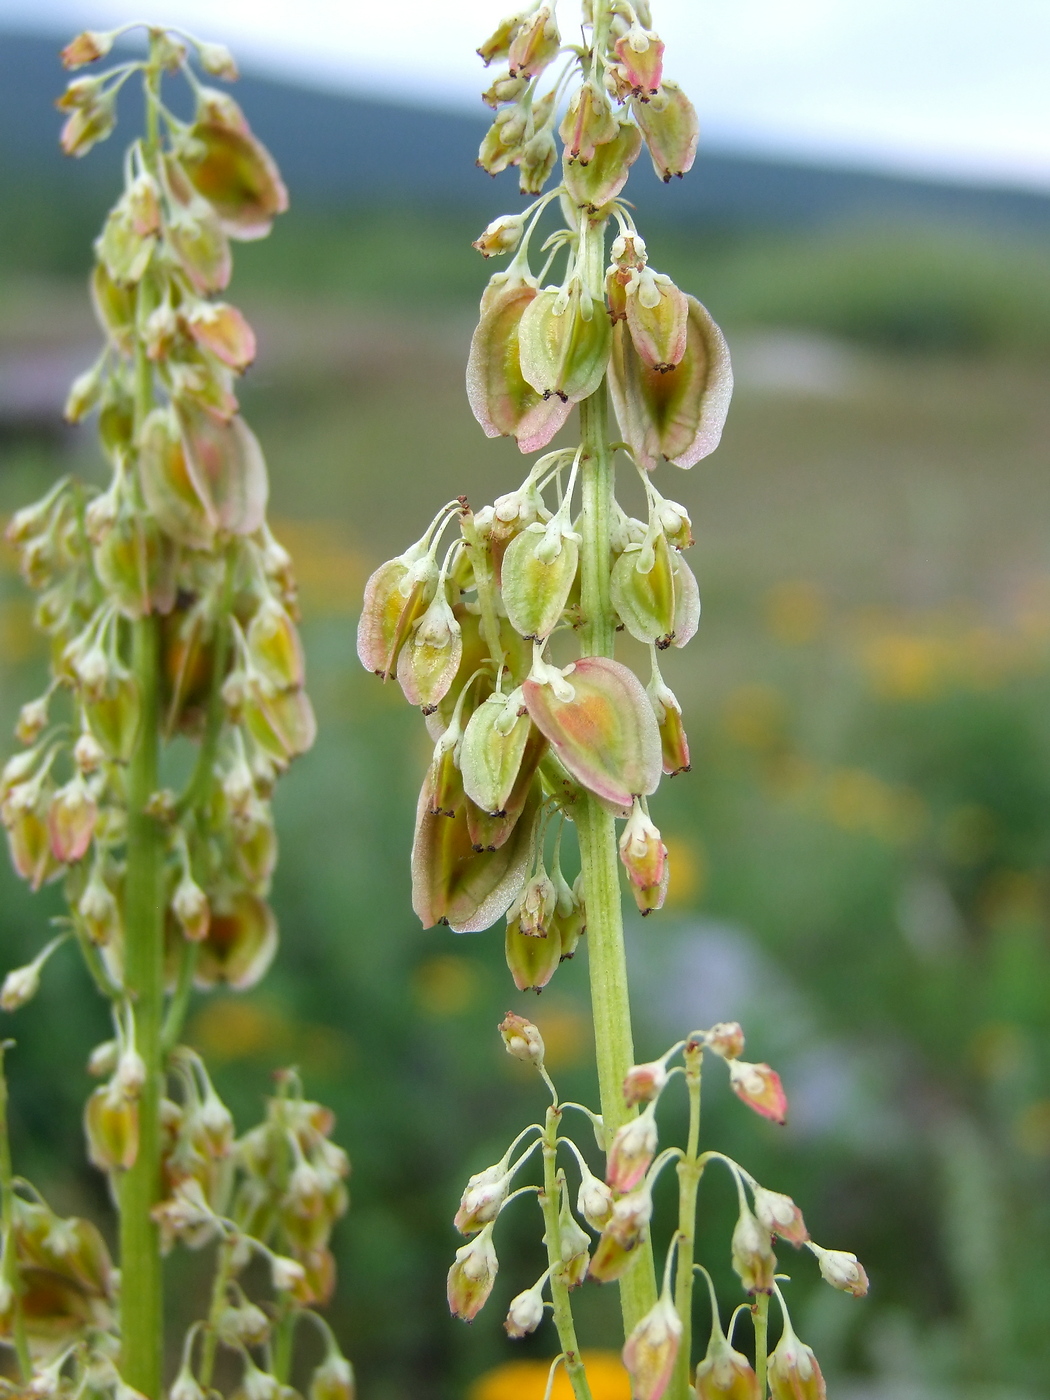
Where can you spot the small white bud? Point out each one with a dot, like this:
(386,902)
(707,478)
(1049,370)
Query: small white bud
(286,1273)
(20,985)
(526,1312)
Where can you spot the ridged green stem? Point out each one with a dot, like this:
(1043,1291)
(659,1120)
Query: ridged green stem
(550,1203)
(760,1313)
(610,1001)
(690,1171)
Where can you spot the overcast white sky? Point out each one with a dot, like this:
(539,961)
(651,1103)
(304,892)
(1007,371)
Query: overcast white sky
(952,87)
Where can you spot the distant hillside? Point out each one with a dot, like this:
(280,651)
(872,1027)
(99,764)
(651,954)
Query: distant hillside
(338,151)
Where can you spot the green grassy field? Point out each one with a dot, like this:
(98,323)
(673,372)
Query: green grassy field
(859,852)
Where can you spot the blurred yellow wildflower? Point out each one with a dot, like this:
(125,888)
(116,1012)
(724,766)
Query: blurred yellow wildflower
(754,717)
(688,861)
(857,800)
(527,1380)
(796,612)
(446,984)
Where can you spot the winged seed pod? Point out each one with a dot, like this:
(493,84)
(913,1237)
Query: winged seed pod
(563,343)
(537,575)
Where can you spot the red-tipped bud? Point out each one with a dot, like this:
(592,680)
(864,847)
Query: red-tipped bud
(642,851)
(471,1277)
(651,1350)
(674,745)
(621,1236)
(641,55)
(644,1083)
(631,1151)
(726,1039)
(753,1257)
(759,1087)
(842,1270)
(780,1216)
(522,1038)
(534,45)
(86,48)
(588,123)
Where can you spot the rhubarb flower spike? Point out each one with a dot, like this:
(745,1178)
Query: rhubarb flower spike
(841,1269)
(472,1275)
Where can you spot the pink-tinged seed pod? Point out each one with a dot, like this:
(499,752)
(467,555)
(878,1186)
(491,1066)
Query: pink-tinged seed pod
(725,1374)
(274,645)
(623,1233)
(396,597)
(492,750)
(753,1259)
(497,45)
(281,722)
(759,1087)
(536,577)
(430,658)
(502,400)
(780,1216)
(454,884)
(227,466)
(222,329)
(600,723)
(200,244)
(658,320)
(482,1199)
(686,602)
(233,171)
(644,1083)
(642,850)
(532,959)
(489,831)
(142,200)
(726,1039)
(631,1152)
(563,344)
(593,185)
(642,591)
(674,746)
(679,416)
(588,123)
(71,818)
(793,1371)
(29,839)
(649,898)
(641,55)
(671,130)
(651,1349)
(841,1269)
(240,944)
(534,45)
(111,1125)
(521,1038)
(113,712)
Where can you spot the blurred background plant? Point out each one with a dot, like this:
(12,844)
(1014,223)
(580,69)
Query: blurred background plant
(860,851)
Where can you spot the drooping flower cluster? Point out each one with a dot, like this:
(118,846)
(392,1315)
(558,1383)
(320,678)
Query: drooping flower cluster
(475,635)
(170,614)
(617,1206)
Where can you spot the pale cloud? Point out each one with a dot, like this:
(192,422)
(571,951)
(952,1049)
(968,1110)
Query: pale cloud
(945,86)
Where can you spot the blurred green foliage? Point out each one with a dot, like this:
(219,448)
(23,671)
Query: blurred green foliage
(859,853)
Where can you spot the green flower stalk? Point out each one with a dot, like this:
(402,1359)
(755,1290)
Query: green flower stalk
(169,610)
(506,639)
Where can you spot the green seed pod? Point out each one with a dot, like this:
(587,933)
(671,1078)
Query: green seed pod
(456,885)
(396,597)
(671,130)
(492,750)
(532,960)
(111,1125)
(600,723)
(644,597)
(489,831)
(537,575)
(679,416)
(430,658)
(195,235)
(571,916)
(657,318)
(593,185)
(564,341)
(113,711)
(502,400)
(274,646)
(281,722)
(232,169)
(240,945)
(121,249)
(136,563)
(115,309)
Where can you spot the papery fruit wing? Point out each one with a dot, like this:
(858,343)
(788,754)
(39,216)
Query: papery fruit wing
(606,735)
(561,351)
(234,172)
(489,832)
(671,130)
(594,184)
(686,602)
(645,602)
(170,487)
(387,616)
(228,468)
(491,755)
(535,589)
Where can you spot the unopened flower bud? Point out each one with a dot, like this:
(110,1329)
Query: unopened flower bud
(20,985)
(87,47)
(32,720)
(842,1270)
(190,906)
(753,1257)
(651,1350)
(726,1039)
(725,1374)
(643,1083)
(793,1371)
(103,1059)
(259,1385)
(131,1073)
(780,1215)
(631,1152)
(522,1038)
(217,60)
(71,818)
(333,1379)
(595,1200)
(246,1325)
(759,1087)
(98,909)
(501,236)
(622,1234)
(482,1199)
(185,1386)
(575,1244)
(472,1275)
(526,1311)
(287,1274)
(111,1124)
(88,754)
